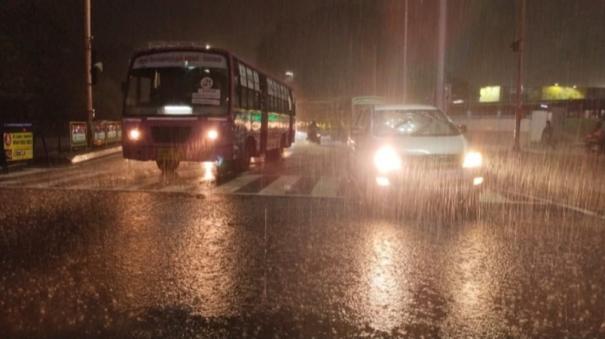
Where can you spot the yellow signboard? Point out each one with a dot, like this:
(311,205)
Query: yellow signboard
(489,94)
(18,146)
(557,92)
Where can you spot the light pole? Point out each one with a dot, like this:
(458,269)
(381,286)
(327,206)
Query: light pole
(519,47)
(405,52)
(289,76)
(88,69)
(440,85)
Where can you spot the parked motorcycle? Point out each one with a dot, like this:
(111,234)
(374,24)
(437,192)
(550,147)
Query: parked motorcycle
(314,137)
(313,133)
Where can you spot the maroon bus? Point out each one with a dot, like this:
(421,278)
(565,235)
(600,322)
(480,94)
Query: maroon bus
(193,103)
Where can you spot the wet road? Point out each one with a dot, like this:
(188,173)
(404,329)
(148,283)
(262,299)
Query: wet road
(110,249)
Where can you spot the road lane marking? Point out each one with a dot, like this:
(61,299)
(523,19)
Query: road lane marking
(35,179)
(492,197)
(65,182)
(237,183)
(280,186)
(326,187)
(562,205)
(23,173)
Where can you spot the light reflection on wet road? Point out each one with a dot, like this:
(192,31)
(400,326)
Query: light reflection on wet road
(85,263)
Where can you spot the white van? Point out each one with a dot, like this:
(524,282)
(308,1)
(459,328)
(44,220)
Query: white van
(414,147)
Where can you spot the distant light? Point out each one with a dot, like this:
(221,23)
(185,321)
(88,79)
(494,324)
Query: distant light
(556,84)
(472,160)
(543,106)
(477,181)
(208,46)
(178,110)
(209,170)
(574,86)
(290,74)
(458,101)
(383,181)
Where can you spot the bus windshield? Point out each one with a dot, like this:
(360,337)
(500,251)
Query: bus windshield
(203,89)
(412,123)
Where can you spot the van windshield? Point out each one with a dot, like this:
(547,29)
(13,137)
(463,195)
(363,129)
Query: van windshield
(412,123)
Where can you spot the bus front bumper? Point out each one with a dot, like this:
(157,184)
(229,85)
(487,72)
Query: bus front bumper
(177,152)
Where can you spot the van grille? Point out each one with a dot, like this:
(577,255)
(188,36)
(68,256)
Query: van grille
(435,161)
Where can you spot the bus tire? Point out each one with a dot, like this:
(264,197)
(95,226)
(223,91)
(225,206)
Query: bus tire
(243,163)
(167,166)
(278,153)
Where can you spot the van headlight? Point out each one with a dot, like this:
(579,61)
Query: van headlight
(472,160)
(386,160)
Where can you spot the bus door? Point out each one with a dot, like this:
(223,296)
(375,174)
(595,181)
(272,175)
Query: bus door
(264,107)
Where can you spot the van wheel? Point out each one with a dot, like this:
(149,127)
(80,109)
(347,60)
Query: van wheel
(167,166)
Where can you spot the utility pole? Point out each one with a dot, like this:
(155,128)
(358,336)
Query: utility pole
(519,47)
(405,52)
(88,69)
(440,86)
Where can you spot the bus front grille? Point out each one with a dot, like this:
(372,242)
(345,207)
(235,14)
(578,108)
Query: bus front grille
(170,135)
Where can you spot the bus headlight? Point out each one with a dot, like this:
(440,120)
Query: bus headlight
(134,134)
(212,135)
(472,160)
(387,160)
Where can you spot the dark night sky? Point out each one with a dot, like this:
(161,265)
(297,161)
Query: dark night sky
(566,41)
(238,25)
(566,38)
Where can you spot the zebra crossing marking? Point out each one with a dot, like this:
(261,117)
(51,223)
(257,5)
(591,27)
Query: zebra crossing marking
(326,187)
(281,186)
(237,183)
(189,181)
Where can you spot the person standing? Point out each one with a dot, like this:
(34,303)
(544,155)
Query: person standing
(548,137)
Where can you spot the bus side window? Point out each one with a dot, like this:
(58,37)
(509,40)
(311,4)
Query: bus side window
(256,91)
(282,97)
(248,85)
(269,107)
(236,90)
(243,82)
(290,108)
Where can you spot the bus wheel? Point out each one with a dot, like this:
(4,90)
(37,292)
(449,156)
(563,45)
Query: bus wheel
(276,154)
(243,163)
(167,166)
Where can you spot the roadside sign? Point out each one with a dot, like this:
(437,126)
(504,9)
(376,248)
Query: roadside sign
(18,146)
(100,136)
(113,132)
(77,134)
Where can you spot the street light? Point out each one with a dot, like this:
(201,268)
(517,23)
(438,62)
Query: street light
(289,76)
(88,68)
(519,46)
